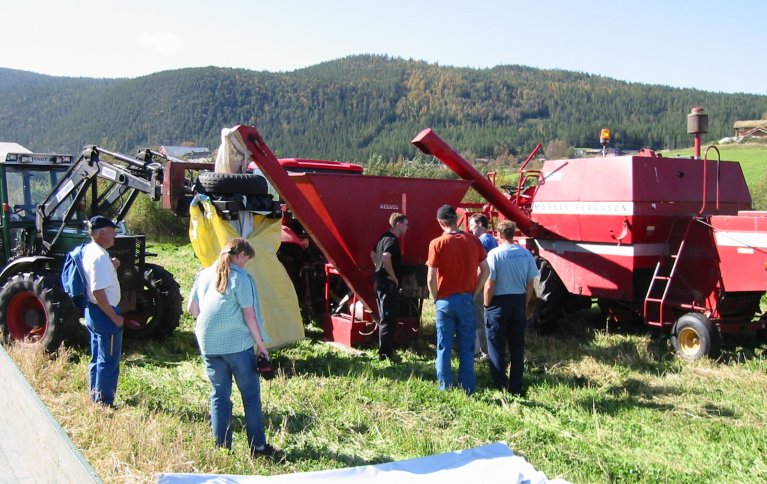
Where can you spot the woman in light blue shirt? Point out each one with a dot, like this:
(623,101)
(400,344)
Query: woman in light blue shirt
(224,299)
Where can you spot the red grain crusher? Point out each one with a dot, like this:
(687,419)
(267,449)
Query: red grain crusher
(670,241)
(344,214)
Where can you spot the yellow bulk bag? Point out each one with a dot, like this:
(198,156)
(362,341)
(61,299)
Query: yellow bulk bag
(208,233)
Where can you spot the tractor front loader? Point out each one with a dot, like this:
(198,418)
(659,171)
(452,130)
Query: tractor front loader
(47,200)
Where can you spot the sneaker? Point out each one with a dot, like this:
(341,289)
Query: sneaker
(267,450)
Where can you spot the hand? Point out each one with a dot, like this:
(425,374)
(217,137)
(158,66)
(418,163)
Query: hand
(261,350)
(115,263)
(394,280)
(119,321)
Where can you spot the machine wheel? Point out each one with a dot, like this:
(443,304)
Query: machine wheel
(551,298)
(230,183)
(158,307)
(694,336)
(34,309)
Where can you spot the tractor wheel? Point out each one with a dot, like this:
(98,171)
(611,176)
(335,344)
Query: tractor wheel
(230,183)
(34,309)
(158,306)
(694,336)
(551,298)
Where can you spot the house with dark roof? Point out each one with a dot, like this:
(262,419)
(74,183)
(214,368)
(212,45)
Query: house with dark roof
(751,129)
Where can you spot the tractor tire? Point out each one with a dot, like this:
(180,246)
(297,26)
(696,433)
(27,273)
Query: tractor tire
(550,299)
(694,336)
(158,307)
(231,183)
(34,309)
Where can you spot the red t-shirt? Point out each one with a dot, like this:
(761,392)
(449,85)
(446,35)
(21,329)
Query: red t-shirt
(456,256)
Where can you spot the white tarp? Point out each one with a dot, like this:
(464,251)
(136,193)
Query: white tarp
(492,463)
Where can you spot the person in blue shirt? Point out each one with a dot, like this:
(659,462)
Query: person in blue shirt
(479,225)
(512,271)
(224,299)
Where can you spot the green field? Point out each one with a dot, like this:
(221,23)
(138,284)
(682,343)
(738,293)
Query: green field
(752,158)
(604,404)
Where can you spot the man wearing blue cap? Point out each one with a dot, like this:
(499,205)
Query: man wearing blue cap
(102,316)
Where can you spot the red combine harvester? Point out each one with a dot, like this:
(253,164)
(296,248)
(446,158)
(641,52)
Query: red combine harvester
(669,240)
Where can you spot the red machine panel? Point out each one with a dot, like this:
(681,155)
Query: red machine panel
(742,244)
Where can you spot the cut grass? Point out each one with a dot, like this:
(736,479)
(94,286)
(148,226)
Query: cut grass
(603,405)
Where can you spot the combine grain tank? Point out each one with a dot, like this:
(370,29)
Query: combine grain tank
(669,240)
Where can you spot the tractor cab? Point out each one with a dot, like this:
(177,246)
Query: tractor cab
(26,180)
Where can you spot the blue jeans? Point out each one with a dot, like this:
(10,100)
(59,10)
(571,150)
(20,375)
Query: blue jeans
(220,369)
(456,317)
(106,346)
(505,321)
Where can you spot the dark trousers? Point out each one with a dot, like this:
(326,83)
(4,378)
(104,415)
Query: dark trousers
(387,296)
(505,326)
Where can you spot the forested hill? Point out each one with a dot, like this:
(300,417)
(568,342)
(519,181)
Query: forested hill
(358,107)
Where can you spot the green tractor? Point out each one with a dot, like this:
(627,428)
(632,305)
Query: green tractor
(46,202)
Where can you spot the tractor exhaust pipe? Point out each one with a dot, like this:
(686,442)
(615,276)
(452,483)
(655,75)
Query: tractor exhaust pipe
(428,142)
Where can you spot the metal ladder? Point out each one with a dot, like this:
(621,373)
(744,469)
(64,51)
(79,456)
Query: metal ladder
(658,291)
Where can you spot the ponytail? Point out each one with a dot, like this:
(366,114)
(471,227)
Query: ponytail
(224,262)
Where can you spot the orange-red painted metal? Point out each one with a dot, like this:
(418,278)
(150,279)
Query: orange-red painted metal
(431,144)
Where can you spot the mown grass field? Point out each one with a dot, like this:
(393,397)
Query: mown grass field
(604,404)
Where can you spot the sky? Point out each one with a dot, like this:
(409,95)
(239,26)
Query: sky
(714,45)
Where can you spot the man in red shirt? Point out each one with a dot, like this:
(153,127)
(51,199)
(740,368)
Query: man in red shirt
(457,271)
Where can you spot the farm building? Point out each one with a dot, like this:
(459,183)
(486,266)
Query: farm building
(754,129)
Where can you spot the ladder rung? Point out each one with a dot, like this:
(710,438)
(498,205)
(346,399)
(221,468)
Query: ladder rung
(662,278)
(652,299)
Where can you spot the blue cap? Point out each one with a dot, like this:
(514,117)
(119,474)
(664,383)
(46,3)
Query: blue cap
(101,222)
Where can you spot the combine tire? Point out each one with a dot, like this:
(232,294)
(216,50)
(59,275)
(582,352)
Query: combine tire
(34,309)
(231,183)
(551,299)
(694,336)
(158,306)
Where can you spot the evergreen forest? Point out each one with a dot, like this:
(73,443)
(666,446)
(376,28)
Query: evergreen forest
(360,108)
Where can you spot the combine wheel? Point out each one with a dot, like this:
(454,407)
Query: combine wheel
(34,309)
(158,306)
(551,298)
(694,336)
(230,183)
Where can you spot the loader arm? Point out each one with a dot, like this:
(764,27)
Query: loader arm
(123,178)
